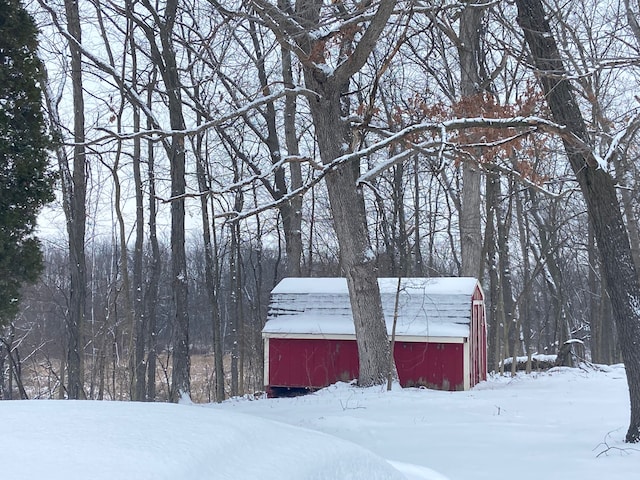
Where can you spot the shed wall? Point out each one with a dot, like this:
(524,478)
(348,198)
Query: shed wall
(310,363)
(316,363)
(310,342)
(478,338)
(433,365)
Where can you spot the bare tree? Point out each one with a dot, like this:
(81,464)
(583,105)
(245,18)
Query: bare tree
(164,55)
(74,197)
(599,192)
(151,291)
(139,317)
(294,213)
(471,85)
(330,109)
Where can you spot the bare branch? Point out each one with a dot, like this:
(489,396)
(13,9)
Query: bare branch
(358,58)
(159,134)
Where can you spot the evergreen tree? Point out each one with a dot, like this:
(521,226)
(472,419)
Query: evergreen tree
(26,183)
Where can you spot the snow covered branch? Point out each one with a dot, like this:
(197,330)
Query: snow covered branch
(158,134)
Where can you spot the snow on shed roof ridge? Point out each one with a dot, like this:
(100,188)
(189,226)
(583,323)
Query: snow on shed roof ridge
(326,325)
(428,306)
(338,285)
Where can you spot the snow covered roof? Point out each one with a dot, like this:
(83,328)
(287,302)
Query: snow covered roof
(435,307)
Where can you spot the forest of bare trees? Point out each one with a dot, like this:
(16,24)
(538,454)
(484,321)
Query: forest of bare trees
(210,148)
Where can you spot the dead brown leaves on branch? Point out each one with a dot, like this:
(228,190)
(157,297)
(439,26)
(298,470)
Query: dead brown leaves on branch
(485,145)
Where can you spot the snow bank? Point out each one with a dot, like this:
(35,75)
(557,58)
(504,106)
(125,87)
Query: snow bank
(113,440)
(565,423)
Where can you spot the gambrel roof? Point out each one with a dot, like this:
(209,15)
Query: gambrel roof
(427,307)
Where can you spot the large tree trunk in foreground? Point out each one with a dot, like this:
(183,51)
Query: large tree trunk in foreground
(357,259)
(599,192)
(329,109)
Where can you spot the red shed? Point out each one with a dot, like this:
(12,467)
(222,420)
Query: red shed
(441,340)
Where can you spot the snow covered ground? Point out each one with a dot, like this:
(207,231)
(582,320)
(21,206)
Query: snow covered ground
(563,424)
(120,441)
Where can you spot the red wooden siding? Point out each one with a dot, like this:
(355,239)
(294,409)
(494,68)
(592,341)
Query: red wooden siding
(311,363)
(478,345)
(478,339)
(434,365)
(316,363)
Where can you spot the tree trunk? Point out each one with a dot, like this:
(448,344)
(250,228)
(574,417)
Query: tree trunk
(235,299)
(418,262)
(3,357)
(210,265)
(526,314)
(511,324)
(218,344)
(496,310)
(140,320)
(122,261)
(400,240)
(165,56)
(470,85)
(151,291)
(346,202)
(627,204)
(289,210)
(594,288)
(180,373)
(549,250)
(602,327)
(599,192)
(293,242)
(356,256)
(75,209)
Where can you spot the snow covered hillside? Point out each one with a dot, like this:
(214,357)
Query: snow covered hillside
(563,424)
